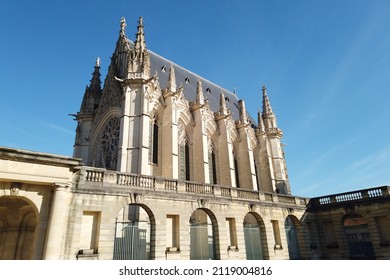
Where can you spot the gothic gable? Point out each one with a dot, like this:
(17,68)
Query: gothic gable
(112,94)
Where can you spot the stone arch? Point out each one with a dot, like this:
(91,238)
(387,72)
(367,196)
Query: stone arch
(255,237)
(204,232)
(295,237)
(18,226)
(135,229)
(357,236)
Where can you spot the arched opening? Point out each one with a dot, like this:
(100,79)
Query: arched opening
(18,222)
(358,237)
(291,226)
(133,233)
(203,233)
(255,237)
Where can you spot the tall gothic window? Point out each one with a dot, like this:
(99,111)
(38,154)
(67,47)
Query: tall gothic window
(107,150)
(212,165)
(236,170)
(184,156)
(187,160)
(153,152)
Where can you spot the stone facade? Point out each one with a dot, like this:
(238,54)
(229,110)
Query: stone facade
(64,210)
(353,225)
(167,165)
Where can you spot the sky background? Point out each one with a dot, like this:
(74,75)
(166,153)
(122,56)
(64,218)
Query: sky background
(326,66)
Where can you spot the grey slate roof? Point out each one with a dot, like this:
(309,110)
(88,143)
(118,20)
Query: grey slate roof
(189,80)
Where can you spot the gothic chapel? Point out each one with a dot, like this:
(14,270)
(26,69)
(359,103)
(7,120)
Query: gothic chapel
(166,165)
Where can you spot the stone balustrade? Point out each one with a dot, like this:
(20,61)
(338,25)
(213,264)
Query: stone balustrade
(365,195)
(112,181)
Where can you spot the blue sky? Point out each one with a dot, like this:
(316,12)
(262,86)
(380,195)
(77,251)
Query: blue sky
(326,65)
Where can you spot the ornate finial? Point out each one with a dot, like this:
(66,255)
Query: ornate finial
(141,21)
(268,115)
(267,110)
(140,44)
(97,64)
(123,24)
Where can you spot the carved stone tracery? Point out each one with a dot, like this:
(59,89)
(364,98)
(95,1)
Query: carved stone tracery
(106,151)
(112,94)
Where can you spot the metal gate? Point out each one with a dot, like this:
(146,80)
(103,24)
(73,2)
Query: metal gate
(132,241)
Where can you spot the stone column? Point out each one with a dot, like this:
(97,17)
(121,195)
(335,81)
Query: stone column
(57,223)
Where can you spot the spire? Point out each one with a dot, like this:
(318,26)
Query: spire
(93,91)
(199,94)
(95,81)
(138,63)
(140,45)
(172,79)
(267,110)
(269,117)
(123,26)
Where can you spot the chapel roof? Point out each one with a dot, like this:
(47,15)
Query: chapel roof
(189,80)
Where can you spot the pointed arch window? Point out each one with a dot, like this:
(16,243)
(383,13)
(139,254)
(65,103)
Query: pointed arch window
(153,141)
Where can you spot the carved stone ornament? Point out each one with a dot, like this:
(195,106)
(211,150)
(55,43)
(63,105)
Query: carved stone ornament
(152,92)
(203,203)
(252,207)
(136,198)
(15,188)
(208,115)
(179,103)
(112,94)
(231,127)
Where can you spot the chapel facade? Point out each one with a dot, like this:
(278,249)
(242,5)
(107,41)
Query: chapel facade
(166,165)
